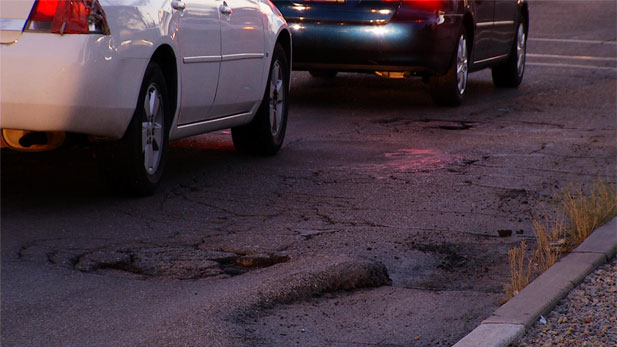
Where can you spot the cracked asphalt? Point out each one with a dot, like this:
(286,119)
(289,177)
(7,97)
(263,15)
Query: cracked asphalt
(377,224)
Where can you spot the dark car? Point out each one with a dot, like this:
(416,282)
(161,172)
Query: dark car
(439,40)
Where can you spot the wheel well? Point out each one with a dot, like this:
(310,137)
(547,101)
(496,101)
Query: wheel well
(468,25)
(285,40)
(166,59)
(525,15)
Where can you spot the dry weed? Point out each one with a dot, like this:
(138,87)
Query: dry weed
(553,237)
(550,242)
(587,212)
(520,270)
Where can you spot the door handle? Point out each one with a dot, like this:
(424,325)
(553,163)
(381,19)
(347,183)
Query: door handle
(225,9)
(178,5)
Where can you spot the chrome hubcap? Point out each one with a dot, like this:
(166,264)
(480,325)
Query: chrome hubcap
(276,99)
(520,50)
(461,65)
(152,129)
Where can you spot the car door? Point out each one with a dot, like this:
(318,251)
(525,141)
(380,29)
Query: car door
(199,43)
(484,11)
(242,49)
(504,29)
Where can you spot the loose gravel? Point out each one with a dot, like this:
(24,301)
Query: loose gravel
(586,317)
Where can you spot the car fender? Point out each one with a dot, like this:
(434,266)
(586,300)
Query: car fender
(137,32)
(275,26)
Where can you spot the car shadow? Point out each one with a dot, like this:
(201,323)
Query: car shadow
(73,174)
(69,170)
(357,91)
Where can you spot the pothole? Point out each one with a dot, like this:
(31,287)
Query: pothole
(448,125)
(182,262)
(385,120)
(177,262)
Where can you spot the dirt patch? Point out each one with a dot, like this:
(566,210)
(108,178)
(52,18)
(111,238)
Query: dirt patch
(461,267)
(450,258)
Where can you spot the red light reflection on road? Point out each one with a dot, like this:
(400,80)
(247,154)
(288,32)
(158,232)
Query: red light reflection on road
(219,140)
(420,160)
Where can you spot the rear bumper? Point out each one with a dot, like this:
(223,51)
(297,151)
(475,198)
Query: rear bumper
(72,83)
(418,47)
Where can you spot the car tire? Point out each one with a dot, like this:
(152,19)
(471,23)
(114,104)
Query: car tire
(323,73)
(134,165)
(448,89)
(510,73)
(264,135)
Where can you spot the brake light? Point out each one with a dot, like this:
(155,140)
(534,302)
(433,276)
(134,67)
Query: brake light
(421,10)
(426,5)
(68,17)
(44,11)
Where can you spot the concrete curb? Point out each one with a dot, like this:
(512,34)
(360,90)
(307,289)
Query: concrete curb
(509,322)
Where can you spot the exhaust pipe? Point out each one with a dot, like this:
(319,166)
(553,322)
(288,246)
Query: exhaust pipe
(32,141)
(33,138)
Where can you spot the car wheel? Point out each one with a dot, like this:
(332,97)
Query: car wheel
(510,73)
(265,134)
(323,73)
(448,89)
(134,164)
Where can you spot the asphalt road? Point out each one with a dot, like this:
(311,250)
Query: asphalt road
(377,224)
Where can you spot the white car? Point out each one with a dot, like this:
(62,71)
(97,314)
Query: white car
(132,75)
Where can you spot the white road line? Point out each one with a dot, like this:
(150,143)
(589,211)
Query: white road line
(575,57)
(574,66)
(575,41)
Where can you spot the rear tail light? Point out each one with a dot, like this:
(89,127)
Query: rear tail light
(426,5)
(421,10)
(68,17)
